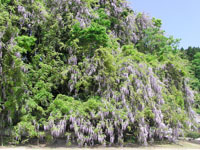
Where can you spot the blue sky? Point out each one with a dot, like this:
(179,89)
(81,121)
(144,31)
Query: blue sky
(180,18)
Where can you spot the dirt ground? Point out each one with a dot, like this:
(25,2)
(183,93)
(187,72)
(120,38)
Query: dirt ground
(181,145)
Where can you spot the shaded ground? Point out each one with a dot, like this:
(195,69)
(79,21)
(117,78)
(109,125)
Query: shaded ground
(181,145)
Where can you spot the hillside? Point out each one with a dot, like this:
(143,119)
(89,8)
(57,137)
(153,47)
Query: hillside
(91,72)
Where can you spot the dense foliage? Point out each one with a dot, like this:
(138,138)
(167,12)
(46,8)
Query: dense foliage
(192,54)
(90,71)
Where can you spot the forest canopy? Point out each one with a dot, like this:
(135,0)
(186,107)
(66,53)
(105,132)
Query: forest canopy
(91,72)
